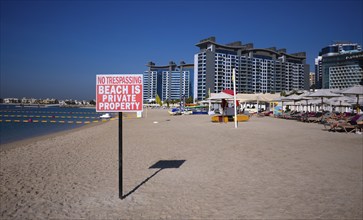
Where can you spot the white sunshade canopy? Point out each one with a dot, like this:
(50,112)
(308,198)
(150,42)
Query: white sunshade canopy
(304,96)
(354,90)
(341,101)
(318,102)
(323,93)
(259,97)
(291,98)
(220,96)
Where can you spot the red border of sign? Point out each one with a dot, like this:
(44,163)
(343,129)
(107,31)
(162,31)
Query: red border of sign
(113,75)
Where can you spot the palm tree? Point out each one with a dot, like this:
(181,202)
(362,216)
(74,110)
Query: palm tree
(189,100)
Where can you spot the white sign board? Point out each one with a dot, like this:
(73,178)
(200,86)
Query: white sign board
(119,93)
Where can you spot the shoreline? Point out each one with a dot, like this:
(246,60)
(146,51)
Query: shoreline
(38,130)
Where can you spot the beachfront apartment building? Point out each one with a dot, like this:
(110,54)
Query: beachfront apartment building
(339,66)
(169,82)
(257,70)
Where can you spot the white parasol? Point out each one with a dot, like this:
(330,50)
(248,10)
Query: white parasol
(324,93)
(354,90)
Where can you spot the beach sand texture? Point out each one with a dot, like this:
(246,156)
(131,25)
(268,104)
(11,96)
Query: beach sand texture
(266,168)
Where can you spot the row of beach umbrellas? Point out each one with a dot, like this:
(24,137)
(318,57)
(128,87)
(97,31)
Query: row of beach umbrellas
(331,96)
(335,97)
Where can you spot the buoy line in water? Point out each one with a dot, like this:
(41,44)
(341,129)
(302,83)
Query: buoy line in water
(55,121)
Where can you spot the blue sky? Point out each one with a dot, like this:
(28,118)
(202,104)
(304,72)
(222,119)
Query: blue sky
(56,48)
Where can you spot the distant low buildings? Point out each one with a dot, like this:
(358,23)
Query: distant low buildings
(25,100)
(11,100)
(47,101)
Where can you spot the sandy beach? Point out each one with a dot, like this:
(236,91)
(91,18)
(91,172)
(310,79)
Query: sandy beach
(267,168)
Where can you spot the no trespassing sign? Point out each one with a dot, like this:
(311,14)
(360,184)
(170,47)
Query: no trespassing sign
(119,93)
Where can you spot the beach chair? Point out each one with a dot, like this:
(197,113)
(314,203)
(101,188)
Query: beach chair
(360,126)
(303,117)
(327,116)
(348,128)
(287,115)
(316,118)
(260,114)
(299,116)
(348,125)
(332,121)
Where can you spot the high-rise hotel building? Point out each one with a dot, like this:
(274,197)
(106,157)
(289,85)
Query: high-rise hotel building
(169,82)
(339,66)
(257,70)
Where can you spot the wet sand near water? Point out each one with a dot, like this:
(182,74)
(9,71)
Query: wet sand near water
(265,169)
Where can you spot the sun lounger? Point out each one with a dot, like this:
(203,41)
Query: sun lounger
(349,128)
(316,118)
(347,125)
(360,126)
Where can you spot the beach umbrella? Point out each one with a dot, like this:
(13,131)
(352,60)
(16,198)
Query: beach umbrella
(317,102)
(293,98)
(352,102)
(354,90)
(259,97)
(247,97)
(305,97)
(220,96)
(324,93)
(343,101)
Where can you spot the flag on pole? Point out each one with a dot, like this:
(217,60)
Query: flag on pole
(234,97)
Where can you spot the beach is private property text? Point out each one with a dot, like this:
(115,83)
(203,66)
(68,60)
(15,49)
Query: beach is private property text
(118,93)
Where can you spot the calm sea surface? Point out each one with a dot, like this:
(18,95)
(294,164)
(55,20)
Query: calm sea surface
(19,123)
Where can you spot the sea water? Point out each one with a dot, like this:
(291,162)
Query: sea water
(19,123)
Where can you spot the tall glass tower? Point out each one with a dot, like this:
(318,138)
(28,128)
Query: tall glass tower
(339,66)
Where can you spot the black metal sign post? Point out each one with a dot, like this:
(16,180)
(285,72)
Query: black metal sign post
(120,155)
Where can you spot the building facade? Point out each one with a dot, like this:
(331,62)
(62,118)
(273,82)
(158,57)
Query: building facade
(312,81)
(169,82)
(318,73)
(339,66)
(257,70)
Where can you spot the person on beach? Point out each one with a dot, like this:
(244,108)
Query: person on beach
(224,106)
(344,122)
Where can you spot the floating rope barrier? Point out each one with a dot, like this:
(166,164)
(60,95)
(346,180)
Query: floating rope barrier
(55,121)
(48,112)
(46,116)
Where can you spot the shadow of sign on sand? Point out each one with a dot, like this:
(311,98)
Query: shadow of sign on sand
(160,165)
